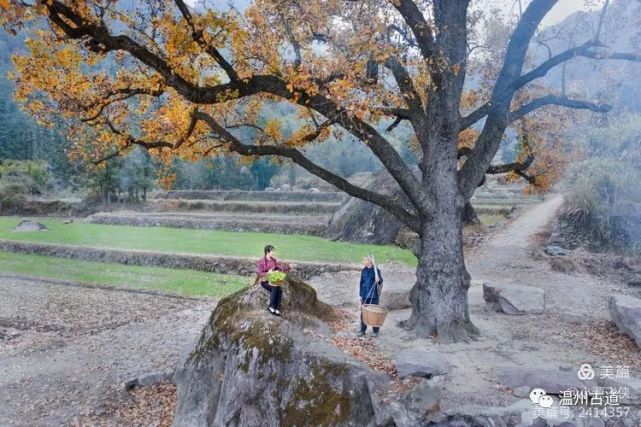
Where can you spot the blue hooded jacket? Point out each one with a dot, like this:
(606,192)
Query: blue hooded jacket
(368,288)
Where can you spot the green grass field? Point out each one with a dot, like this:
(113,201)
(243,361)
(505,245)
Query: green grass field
(215,242)
(182,282)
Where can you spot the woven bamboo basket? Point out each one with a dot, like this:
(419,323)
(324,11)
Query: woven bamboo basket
(373,314)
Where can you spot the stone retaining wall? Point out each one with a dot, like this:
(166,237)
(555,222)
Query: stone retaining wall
(297,196)
(211,263)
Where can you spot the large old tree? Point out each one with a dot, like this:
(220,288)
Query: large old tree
(181,81)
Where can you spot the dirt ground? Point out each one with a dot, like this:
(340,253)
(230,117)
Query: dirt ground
(76,346)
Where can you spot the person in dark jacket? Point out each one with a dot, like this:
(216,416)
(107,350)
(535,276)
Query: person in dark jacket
(370,288)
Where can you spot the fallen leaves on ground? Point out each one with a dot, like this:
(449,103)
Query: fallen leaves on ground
(603,338)
(362,349)
(149,406)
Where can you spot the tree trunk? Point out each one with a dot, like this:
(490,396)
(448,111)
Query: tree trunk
(469,215)
(439,297)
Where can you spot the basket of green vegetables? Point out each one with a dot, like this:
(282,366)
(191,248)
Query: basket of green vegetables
(276,278)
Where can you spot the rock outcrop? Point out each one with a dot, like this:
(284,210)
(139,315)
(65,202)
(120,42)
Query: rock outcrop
(625,312)
(254,369)
(361,221)
(364,222)
(30,225)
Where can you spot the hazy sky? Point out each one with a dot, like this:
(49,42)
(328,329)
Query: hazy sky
(556,15)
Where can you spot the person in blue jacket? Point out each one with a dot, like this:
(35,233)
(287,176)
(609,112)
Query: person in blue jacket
(369,289)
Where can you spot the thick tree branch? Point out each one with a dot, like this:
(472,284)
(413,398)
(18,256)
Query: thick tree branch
(299,158)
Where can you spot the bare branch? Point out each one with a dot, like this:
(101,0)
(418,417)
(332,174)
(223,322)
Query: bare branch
(557,100)
(421,30)
(198,36)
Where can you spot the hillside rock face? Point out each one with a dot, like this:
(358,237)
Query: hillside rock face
(361,221)
(364,222)
(254,369)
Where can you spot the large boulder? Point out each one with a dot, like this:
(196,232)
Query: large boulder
(625,312)
(421,363)
(254,369)
(514,299)
(360,221)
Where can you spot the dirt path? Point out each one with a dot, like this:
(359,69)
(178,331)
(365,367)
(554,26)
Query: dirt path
(76,346)
(574,305)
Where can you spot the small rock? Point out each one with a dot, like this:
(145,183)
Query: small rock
(523,391)
(29,225)
(634,282)
(554,250)
(269,189)
(422,399)
(314,190)
(625,312)
(7,334)
(514,299)
(68,221)
(148,379)
(421,363)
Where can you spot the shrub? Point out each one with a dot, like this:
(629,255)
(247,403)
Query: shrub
(33,175)
(603,204)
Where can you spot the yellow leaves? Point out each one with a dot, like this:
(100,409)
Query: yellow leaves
(4,4)
(272,129)
(467,138)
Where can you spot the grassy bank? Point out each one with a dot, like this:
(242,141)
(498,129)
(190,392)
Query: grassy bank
(182,282)
(244,244)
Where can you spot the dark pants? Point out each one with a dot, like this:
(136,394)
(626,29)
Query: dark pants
(275,294)
(368,301)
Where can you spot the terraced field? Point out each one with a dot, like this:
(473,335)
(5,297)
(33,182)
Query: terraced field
(295,212)
(292,212)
